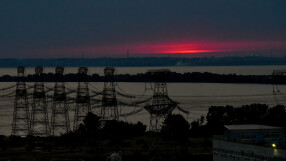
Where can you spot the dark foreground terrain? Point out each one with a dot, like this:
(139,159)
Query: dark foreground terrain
(140,148)
(177,141)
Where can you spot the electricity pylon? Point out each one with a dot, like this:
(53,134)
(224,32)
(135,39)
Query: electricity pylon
(60,117)
(109,109)
(21,116)
(39,115)
(82,99)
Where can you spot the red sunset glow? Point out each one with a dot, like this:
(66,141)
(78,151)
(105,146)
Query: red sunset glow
(205,47)
(191,51)
(169,48)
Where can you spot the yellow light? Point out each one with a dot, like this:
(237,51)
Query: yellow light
(274,145)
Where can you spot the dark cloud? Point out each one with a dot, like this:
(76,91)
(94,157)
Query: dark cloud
(27,25)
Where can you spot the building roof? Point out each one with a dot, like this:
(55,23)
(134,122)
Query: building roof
(251,127)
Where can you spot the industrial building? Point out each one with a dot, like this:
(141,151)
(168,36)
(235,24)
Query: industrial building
(250,142)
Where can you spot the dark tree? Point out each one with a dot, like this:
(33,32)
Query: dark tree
(276,116)
(91,124)
(217,117)
(251,114)
(175,127)
(199,129)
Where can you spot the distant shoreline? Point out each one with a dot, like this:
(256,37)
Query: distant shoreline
(144,61)
(171,66)
(194,77)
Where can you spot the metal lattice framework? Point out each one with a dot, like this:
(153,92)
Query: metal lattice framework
(39,114)
(161,105)
(60,117)
(82,99)
(21,117)
(278,76)
(109,109)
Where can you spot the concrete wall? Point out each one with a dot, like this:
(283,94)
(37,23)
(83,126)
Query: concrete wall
(231,151)
(257,136)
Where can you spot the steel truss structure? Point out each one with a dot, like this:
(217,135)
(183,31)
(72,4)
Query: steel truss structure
(39,114)
(82,98)
(60,113)
(161,105)
(21,116)
(109,109)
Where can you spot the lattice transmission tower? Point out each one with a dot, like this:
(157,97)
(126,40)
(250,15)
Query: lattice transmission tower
(278,77)
(109,109)
(161,105)
(21,116)
(60,117)
(82,98)
(39,114)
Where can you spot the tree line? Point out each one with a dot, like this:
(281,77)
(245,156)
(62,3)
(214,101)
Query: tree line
(176,127)
(218,116)
(193,77)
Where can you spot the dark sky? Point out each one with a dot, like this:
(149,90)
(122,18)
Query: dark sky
(96,28)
